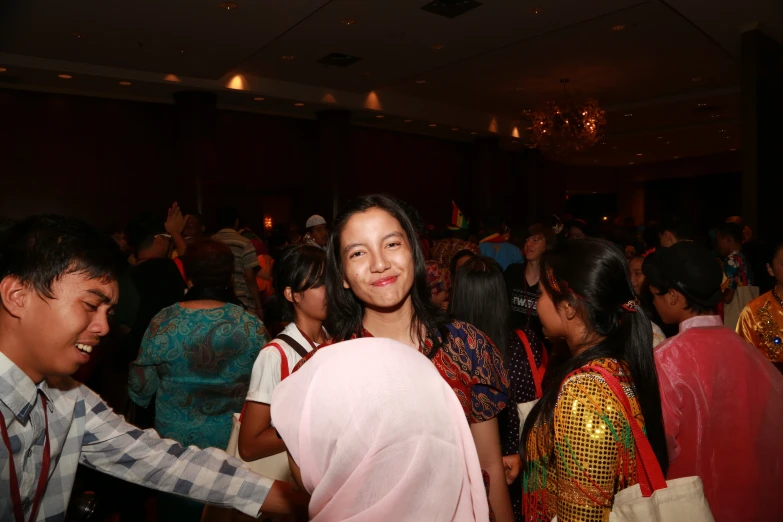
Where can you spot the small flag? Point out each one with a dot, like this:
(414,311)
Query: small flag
(458,219)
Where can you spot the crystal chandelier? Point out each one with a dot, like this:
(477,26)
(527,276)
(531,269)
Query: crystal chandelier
(572,123)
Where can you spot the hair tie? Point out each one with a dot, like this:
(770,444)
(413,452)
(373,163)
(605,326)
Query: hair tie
(631,305)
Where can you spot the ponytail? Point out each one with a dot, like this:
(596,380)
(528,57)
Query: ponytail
(589,274)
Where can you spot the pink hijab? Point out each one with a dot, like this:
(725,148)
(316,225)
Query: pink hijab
(379,435)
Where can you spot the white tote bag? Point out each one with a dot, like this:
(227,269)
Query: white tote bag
(654,498)
(732,311)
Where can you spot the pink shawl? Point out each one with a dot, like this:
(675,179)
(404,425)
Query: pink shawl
(379,435)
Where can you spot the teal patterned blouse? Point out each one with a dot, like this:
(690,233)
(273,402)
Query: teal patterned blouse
(198,363)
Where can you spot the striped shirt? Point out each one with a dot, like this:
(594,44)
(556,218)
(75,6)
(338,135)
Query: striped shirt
(244,258)
(84,430)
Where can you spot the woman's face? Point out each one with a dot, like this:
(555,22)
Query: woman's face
(377,259)
(535,245)
(637,276)
(312,303)
(551,319)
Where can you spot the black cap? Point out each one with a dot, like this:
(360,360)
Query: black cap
(690,269)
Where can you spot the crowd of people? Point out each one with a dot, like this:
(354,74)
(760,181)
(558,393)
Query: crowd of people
(377,368)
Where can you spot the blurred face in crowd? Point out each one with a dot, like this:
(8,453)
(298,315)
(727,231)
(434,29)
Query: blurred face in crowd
(377,259)
(311,303)
(58,335)
(775,269)
(637,276)
(122,241)
(193,229)
(725,245)
(535,245)
(320,234)
(576,233)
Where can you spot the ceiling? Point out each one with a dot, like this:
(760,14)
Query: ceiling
(667,73)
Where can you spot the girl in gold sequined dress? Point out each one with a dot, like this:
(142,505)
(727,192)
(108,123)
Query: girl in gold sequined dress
(761,321)
(577,443)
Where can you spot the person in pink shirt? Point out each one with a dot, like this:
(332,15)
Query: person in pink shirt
(722,399)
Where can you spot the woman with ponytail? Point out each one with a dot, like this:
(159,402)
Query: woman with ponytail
(576,444)
(196,358)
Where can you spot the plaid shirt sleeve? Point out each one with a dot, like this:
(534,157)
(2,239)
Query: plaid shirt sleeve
(140,456)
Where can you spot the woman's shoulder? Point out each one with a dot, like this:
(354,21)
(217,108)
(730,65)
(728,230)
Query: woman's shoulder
(590,373)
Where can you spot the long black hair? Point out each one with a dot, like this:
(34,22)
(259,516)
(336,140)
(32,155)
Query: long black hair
(346,311)
(479,297)
(300,268)
(590,275)
(209,266)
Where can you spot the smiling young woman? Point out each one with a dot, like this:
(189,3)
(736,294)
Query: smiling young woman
(376,284)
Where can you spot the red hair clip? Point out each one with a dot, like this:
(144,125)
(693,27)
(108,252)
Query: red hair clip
(631,306)
(550,277)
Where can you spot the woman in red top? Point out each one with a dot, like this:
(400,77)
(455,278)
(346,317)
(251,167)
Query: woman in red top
(376,285)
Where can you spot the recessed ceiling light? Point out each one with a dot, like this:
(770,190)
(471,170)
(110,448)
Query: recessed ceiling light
(675,157)
(421,81)
(125,83)
(727,137)
(3,69)
(595,192)
(437,47)
(536,10)
(299,104)
(614,148)
(701,105)
(408,121)
(228,5)
(715,116)
(182,50)
(287,57)
(519,89)
(618,27)
(628,114)
(380,116)
(732,150)
(455,128)
(668,142)
(348,21)
(433,124)
(474,133)
(722,130)
(171,78)
(630,162)
(78,35)
(696,79)
(65,76)
(258,98)
(660,137)
(639,154)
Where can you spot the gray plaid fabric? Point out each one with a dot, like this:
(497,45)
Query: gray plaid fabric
(83,429)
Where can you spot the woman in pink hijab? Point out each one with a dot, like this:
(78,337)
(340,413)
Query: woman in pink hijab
(381,441)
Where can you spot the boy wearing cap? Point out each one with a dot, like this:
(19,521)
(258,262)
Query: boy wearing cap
(316,232)
(722,401)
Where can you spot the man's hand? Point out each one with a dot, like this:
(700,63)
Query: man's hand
(512,464)
(175,221)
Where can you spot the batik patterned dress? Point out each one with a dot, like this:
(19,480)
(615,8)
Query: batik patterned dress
(592,457)
(198,364)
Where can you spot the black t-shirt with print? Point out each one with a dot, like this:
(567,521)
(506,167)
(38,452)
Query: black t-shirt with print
(523,301)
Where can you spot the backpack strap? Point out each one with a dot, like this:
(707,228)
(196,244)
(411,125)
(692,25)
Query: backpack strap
(293,344)
(181,268)
(284,372)
(538,373)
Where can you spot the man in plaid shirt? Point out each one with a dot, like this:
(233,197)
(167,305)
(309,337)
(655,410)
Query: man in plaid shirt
(57,290)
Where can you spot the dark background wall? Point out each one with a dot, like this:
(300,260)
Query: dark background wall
(105,160)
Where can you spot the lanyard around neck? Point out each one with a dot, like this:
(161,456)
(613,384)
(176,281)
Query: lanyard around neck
(16,496)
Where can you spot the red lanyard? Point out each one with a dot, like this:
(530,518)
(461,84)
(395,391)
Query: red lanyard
(16,496)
